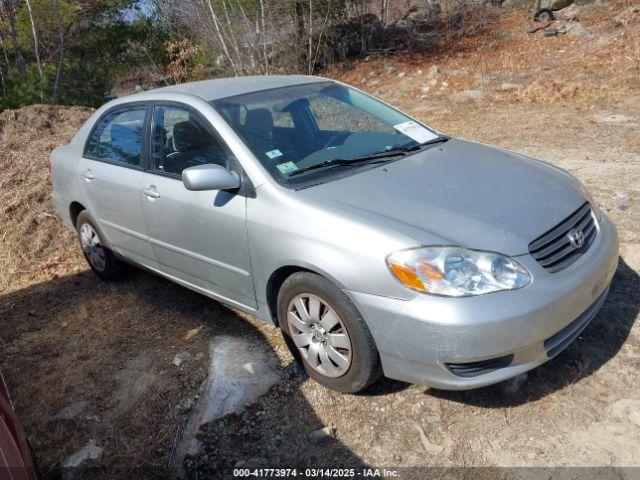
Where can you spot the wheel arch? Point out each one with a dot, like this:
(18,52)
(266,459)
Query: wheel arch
(74,210)
(278,277)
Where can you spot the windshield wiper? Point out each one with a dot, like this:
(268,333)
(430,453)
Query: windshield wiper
(339,162)
(384,155)
(418,146)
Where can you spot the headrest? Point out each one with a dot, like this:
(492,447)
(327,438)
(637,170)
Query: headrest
(259,121)
(188,136)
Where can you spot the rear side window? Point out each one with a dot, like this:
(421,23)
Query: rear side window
(118,136)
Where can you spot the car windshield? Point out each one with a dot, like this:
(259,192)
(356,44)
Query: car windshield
(306,134)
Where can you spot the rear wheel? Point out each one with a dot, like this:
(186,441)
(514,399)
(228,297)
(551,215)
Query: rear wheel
(327,333)
(100,258)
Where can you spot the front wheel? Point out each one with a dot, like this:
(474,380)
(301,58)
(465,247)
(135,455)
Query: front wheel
(100,258)
(327,333)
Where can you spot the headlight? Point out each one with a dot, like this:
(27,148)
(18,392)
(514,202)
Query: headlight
(457,272)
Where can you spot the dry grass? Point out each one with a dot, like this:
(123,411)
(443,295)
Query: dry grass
(34,243)
(599,65)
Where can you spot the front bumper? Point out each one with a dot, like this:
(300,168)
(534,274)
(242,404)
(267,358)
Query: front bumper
(417,338)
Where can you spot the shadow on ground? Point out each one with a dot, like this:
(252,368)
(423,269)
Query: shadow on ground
(112,344)
(597,344)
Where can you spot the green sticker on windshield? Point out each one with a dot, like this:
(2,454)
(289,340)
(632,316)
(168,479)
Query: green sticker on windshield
(287,167)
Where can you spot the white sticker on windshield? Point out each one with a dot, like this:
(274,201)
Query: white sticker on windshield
(415,131)
(273,154)
(287,167)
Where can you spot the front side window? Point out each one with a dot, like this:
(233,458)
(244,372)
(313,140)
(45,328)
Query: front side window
(319,125)
(118,136)
(181,139)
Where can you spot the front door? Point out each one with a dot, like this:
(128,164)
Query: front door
(111,177)
(197,237)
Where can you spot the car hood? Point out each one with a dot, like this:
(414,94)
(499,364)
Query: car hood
(460,193)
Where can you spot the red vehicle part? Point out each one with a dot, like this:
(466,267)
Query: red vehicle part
(15,454)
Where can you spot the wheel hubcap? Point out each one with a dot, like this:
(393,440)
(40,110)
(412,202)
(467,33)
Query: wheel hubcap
(319,334)
(92,247)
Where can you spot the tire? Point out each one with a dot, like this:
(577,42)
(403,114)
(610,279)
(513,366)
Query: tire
(100,258)
(300,294)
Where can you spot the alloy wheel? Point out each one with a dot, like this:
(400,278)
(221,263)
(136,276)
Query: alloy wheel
(92,247)
(319,334)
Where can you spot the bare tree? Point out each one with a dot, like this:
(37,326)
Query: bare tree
(61,46)
(8,10)
(35,46)
(223,43)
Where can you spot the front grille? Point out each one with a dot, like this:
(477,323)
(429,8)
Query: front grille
(553,249)
(475,369)
(561,340)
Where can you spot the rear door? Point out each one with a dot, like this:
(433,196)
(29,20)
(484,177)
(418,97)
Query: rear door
(198,237)
(111,173)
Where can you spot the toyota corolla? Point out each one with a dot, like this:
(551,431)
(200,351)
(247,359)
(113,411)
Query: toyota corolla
(377,244)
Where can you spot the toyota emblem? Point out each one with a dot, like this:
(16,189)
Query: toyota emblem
(576,237)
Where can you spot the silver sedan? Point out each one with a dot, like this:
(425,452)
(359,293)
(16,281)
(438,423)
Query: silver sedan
(377,244)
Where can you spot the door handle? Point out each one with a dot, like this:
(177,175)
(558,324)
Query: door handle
(88,175)
(151,192)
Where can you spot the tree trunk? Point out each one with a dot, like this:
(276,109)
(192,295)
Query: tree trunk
(35,46)
(300,31)
(4,49)
(264,39)
(56,83)
(223,45)
(8,11)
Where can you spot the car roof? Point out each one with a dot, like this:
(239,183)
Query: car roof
(228,87)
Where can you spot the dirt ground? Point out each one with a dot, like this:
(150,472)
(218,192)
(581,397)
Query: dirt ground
(66,337)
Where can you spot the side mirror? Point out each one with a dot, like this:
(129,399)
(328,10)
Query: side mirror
(209,177)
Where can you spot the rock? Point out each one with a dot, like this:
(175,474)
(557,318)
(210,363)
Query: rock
(555,4)
(512,386)
(321,435)
(514,3)
(634,417)
(432,73)
(90,451)
(571,27)
(180,358)
(186,404)
(509,87)
(430,447)
(612,118)
(402,75)
(373,83)
(466,95)
(550,32)
(73,410)
(568,13)
(418,14)
(534,27)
